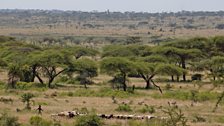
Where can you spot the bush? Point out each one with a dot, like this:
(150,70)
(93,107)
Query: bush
(197,118)
(24,85)
(148,109)
(6,120)
(124,108)
(6,100)
(168,86)
(26,98)
(151,122)
(38,121)
(89,120)
(175,116)
(2,85)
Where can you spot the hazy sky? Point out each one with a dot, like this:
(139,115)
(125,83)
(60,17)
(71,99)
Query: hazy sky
(116,5)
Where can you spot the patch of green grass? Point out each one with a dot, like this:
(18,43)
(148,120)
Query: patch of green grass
(103,92)
(187,95)
(31,86)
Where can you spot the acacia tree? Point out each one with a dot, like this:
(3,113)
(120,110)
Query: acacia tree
(215,66)
(50,63)
(149,70)
(86,69)
(115,66)
(15,55)
(218,42)
(181,55)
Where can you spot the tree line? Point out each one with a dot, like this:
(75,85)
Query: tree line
(27,63)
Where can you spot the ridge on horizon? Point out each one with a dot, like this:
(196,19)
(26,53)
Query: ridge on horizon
(97,11)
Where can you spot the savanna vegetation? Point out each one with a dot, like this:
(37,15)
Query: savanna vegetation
(179,81)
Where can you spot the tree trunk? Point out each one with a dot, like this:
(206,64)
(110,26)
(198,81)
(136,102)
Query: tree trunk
(172,78)
(51,79)
(124,82)
(33,74)
(178,78)
(148,84)
(147,79)
(124,87)
(184,67)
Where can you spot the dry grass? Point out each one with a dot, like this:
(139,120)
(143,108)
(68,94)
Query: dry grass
(59,103)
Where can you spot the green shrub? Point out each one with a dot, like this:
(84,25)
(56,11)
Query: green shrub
(38,121)
(124,108)
(2,85)
(6,120)
(197,118)
(88,120)
(147,109)
(24,85)
(175,116)
(70,94)
(6,100)
(26,98)
(151,122)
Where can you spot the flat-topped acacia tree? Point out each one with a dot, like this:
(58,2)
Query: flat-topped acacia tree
(149,70)
(15,55)
(87,69)
(181,55)
(50,63)
(117,66)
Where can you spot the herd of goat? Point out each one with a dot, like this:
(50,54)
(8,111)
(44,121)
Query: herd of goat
(72,114)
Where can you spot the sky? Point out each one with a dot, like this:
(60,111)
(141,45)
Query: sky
(116,5)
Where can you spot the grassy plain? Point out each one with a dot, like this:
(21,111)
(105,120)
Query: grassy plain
(98,97)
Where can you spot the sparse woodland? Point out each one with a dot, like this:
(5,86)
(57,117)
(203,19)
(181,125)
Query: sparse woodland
(111,63)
